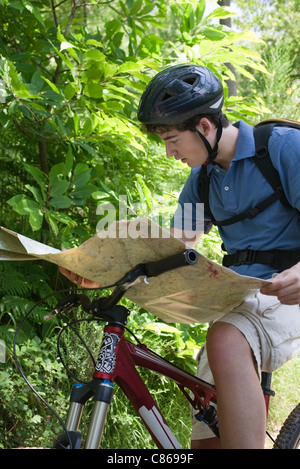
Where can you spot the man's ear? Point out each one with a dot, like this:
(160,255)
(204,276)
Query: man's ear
(204,126)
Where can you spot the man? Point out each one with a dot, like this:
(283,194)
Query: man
(183,106)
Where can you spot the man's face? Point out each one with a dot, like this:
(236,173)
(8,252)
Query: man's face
(185,146)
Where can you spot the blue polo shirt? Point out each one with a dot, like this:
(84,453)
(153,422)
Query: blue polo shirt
(242,187)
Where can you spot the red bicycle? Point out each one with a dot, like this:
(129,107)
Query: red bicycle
(117,362)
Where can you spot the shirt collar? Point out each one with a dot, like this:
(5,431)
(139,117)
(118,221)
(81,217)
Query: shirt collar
(245,147)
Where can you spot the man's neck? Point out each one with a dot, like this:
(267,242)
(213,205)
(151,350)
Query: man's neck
(227,146)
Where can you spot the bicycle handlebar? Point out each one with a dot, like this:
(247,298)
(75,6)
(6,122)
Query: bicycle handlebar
(188,257)
(155,268)
(149,269)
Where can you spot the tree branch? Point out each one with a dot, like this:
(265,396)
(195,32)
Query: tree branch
(43,156)
(53,6)
(72,14)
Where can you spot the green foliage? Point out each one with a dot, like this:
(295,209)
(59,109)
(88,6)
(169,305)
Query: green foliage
(25,420)
(71,75)
(72,92)
(277,23)
(22,285)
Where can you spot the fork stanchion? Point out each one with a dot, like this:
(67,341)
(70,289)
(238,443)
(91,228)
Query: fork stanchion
(103,397)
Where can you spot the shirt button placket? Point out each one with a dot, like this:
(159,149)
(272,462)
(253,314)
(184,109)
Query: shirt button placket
(229,199)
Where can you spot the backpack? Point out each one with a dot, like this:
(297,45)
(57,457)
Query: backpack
(262,132)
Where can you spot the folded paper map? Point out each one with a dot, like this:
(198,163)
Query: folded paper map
(194,293)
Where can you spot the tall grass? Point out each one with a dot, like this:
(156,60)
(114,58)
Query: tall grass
(286,384)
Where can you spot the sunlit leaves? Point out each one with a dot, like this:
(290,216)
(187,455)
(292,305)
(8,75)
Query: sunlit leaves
(77,87)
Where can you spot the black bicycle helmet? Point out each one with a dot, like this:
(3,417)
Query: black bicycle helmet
(179,93)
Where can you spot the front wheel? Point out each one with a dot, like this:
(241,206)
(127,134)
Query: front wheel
(289,435)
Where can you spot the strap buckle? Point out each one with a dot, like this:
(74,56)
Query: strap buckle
(261,151)
(245,257)
(253,212)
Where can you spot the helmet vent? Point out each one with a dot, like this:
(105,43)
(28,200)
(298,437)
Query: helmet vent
(190,80)
(169,93)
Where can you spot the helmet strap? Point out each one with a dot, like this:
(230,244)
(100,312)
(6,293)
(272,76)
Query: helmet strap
(212,152)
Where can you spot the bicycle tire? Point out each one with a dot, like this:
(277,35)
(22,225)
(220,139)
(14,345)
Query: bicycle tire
(289,435)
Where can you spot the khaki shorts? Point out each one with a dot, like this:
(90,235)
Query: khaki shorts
(273,333)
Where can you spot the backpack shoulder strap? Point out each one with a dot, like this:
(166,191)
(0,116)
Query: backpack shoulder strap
(203,190)
(203,184)
(262,159)
(262,133)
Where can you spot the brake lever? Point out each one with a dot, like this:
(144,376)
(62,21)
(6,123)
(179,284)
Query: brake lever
(67,304)
(130,278)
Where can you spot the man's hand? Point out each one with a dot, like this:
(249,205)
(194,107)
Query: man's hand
(286,286)
(81,281)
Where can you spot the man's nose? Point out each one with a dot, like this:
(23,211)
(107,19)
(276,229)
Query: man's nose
(170,150)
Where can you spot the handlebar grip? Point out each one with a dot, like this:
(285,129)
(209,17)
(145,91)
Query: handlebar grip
(188,257)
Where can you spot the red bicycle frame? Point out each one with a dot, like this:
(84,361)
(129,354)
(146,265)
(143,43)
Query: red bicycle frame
(124,373)
(117,362)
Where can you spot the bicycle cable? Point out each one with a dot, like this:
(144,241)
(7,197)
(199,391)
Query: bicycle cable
(69,325)
(17,363)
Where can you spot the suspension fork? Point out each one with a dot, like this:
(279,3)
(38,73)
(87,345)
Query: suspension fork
(102,385)
(116,363)
(104,377)
(101,388)
(120,367)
